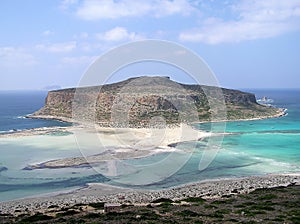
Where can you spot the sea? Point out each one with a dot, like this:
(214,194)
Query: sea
(257,147)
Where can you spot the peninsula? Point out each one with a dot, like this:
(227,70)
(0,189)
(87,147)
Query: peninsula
(211,200)
(148,98)
(161,95)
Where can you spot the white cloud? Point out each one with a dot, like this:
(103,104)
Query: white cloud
(111,9)
(11,56)
(65,4)
(82,60)
(256,20)
(47,33)
(57,47)
(118,34)
(83,35)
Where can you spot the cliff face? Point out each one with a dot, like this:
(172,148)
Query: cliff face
(138,103)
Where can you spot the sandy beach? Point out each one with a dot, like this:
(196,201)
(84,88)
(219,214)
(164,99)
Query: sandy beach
(94,193)
(132,143)
(115,143)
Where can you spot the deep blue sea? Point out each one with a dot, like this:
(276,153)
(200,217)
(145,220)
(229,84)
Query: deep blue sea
(253,148)
(14,105)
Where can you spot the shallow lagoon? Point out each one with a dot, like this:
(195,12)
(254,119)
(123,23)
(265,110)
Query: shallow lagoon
(254,148)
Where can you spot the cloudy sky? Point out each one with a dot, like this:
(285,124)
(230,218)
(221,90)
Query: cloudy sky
(247,43)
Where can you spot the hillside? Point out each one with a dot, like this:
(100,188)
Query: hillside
(139,100)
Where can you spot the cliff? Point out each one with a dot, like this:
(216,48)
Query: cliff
(141,101)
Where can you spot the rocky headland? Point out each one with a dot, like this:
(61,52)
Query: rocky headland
(154,97)
(144,98)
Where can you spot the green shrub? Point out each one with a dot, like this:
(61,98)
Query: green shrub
(98,205)
(187,213)
(195,199)
(36,217)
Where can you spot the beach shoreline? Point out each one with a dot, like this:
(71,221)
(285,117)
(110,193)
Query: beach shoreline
(281,113)
(96,193)
(119,143)
(44,130)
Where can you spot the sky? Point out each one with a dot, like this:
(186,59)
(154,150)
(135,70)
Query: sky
(246,43)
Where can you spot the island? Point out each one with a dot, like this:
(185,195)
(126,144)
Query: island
(148,98)
(162,97)
(243,199)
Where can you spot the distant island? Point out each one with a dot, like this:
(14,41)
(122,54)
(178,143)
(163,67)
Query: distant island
(213,199)
(239,105)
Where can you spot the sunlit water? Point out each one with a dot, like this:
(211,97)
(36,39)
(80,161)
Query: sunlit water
(253,148)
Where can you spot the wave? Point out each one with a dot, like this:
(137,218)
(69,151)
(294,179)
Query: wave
(262,160)
(276,163)
(280,132)
(20,117)
(10,131)
(291,132)
(36,128)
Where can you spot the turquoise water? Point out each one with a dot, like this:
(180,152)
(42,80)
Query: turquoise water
(252,148)
(276,139)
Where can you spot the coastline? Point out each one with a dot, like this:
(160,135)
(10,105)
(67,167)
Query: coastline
(281,113)
(96,193)
(49,117)
(207,188)
(138,149)
(118,143)
(35,131)
(76,124)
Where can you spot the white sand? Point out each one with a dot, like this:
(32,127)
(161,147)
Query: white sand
(144,139)
(98,144)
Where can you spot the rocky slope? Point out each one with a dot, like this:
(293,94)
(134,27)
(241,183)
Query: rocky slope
(151,100)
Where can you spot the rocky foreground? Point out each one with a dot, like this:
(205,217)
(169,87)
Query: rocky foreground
(267,205)
(100,193)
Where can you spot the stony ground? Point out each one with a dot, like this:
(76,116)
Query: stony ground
(273,205)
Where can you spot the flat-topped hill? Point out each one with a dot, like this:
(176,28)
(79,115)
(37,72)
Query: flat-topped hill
(139,100)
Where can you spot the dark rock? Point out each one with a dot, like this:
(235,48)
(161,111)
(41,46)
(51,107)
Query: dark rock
(2,168)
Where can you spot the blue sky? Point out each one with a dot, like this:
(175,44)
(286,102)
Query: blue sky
(247,43)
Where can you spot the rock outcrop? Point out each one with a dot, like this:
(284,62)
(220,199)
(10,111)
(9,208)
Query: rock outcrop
(141,101)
